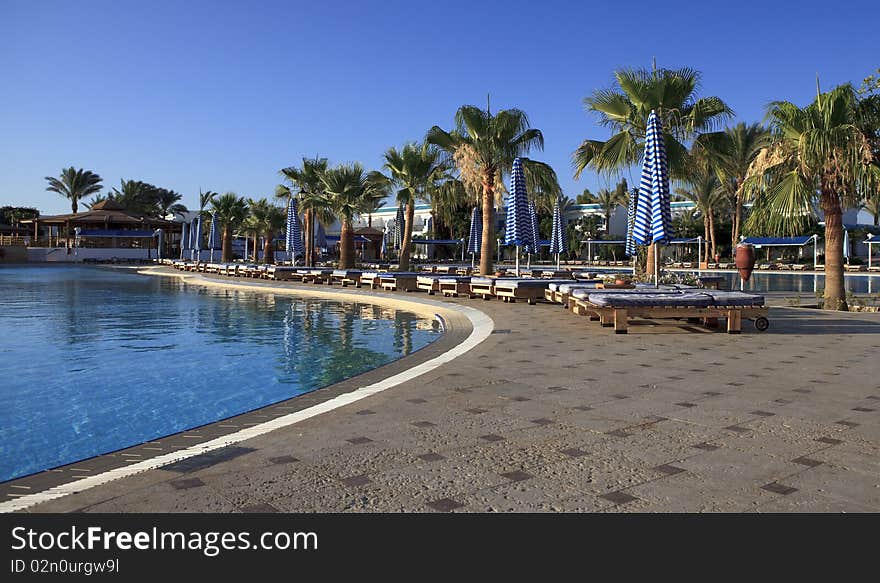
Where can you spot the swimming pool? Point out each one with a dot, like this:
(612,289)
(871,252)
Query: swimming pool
(93,359)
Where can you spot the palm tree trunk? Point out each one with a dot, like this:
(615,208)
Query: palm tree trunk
(649,267)
(712,234)
(74,204)
(487,256)
(406,248)
(307,232)
(226,245)
(835,291)
(705,238)
(269,248)
(737,215)
(346,245)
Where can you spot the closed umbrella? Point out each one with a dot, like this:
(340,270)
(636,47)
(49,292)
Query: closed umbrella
(630,220)
(399,224)
(197,238)
(293,242)
(214,236)
(184,239)
(558,242)
(517,224)
(535,246)
(160,234)
(846,245)
(475,235)
(653,216)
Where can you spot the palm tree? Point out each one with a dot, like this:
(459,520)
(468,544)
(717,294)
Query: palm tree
(75,185)
(608,201)
(814,149)
(313,201)
(231,210)
(672,94)
(417,170)
(484,147)
(168,202)
(204,198)
(134,195)
(702,187)
(351,190)
(872,205)
(268,219)
(95,200)
(731,153)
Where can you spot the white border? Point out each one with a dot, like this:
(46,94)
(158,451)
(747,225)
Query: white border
(482,327)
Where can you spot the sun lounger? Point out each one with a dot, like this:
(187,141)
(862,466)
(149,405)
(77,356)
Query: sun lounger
(345,277)
(398,281)
(614,309)
(724,266)
(798,267)
(874,268)
(820,267)
(855,267)
(317,275)
(370,279)
(483,287)
(529,289)
(454,285)
(559,292)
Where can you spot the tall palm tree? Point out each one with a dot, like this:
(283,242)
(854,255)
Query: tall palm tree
(484,147)
(206,198)
(134,195)
(702,187)
(268,220)
(75,185)
(350,190)
(673,95)
(313,201)
(231,210)
(168,202)
(814,149)
(731,153)
(416,170)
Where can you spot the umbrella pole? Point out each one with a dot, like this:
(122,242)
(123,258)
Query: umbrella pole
(517,260)
(656,265)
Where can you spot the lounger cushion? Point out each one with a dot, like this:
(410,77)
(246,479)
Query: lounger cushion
(346,273)
(396,274)
(484,280)
(455,279)
(567,288)
(734,298)
(646,300)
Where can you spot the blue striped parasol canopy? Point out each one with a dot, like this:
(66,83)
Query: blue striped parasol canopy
(517,225)
(197,238)
(475,235)
(653,219)
(534,246)
(213,238)
(399,225)
(630,220)
(293,242)
(320,236)
(558,242)
(184,239)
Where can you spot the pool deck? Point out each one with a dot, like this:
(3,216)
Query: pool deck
(553,413)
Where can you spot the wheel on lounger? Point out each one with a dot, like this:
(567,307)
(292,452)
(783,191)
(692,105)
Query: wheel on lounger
(762,323)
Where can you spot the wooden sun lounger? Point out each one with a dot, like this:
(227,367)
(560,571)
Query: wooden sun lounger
(855,268)
(405,282)
(618,316)
(482,287)
(874,268)
(428,283)
(370,279)
(798,267)
(453,287)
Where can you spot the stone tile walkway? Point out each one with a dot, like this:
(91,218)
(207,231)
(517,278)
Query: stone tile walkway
(554,413)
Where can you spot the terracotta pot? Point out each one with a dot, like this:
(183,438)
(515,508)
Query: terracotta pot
(745,260)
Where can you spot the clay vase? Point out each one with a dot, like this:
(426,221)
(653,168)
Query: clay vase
(745,260)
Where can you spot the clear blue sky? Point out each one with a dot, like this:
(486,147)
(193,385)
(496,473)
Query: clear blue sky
(221,95)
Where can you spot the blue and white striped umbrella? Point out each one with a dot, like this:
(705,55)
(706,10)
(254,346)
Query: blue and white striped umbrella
(399,225)
(517,226)
(630,221)
(475,236)
(846,244)
(197,237)
(214,236)
(558,242)
(293,242)
(384,249)
(320,236)
(653,216)
(184,239)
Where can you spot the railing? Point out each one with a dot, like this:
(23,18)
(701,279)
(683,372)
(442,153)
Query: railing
(12,241)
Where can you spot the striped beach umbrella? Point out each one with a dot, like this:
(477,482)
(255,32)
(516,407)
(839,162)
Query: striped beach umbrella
(535,245)
(653,216)
(399,225)
(630,220)
(558,242)
(214,236)
(196,233)
(518,228)
(475,235)
(184,239)
(293,242)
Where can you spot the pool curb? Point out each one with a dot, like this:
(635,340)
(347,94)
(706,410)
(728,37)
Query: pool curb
(481,326)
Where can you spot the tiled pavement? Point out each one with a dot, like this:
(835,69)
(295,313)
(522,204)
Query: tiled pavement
(553,413)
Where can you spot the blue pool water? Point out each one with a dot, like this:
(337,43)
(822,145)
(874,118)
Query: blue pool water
(93,360)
